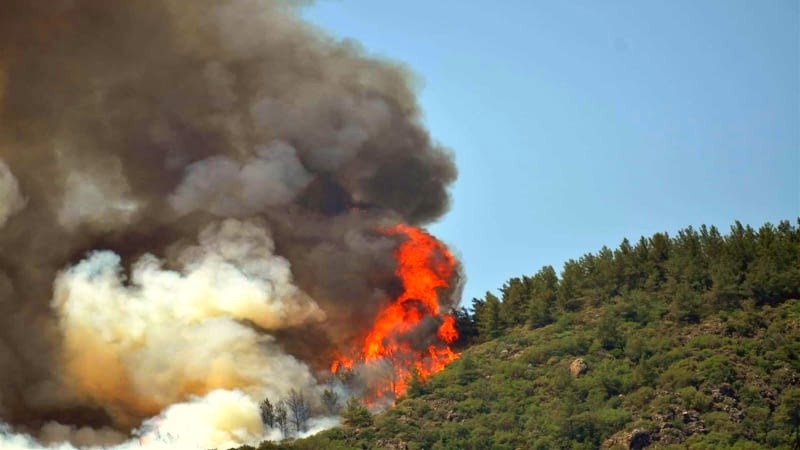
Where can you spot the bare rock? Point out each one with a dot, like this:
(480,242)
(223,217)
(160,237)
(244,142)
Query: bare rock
(578,367)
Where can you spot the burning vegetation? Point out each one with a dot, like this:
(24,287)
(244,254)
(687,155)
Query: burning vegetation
(393,346)
(200,203)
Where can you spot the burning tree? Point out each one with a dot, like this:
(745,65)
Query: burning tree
(425,267)
(394,369)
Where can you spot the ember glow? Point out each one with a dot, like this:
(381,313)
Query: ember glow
(425,266)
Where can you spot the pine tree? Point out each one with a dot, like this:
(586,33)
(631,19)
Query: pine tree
(466,326)
(330,399)
(355,414)
(544,288)
(489,324)
(299,409)
(609,332)
(416,385)
(466,370)
(774,275)
(570,289)
(686,305)
(516,297)
(282,418)
(267,413)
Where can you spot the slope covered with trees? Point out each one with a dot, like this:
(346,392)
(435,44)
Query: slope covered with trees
(690,340)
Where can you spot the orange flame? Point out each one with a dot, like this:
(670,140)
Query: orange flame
(425,266)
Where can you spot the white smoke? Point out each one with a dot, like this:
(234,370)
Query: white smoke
(220,420)
(100,199)
(11,199)
(226,188)
(55,433)
(317,424)
(187,345)
(135,345)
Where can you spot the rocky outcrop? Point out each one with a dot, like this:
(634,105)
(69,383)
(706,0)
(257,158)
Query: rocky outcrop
(578,367)
(639,439)
(629,440)
(667,433)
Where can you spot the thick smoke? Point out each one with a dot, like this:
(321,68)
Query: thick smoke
(168,334)
(190,199)
(221,419)
(11,200)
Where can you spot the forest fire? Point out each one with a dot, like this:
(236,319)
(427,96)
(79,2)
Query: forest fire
(425,266)
(173,254)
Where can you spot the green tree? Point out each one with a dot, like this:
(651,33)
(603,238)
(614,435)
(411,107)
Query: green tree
(687,264)
(570,289)
(489,323)
(467,370)
(658,254)
(544,290)
(686,305)
(416,385)
(729,268)
(628,269)
(516,297)
(599,273)
(609,331)
(642,264)
(774,273)
(355,414)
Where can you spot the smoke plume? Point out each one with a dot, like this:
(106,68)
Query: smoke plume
(190,199)
(11,199)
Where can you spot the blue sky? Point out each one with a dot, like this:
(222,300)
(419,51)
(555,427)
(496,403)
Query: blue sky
(578,123)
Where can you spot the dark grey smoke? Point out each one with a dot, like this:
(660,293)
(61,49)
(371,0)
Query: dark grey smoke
(131,126)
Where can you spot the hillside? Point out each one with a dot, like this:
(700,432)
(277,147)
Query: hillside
(691,340)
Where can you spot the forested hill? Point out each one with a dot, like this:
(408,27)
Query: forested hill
(685,341)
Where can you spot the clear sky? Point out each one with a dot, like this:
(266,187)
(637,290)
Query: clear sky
(578,123)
